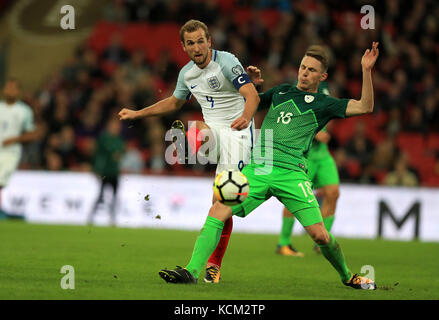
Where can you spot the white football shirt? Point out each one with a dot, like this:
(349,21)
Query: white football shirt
(14,120)
(215,87)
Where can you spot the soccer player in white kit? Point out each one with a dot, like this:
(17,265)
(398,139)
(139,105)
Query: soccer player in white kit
(16,127)
(228,101)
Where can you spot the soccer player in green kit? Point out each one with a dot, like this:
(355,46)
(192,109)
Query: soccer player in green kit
(279,165)
(322,172)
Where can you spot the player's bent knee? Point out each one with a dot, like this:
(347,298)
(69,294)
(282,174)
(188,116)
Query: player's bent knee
(220,211)
(332,192)
(287,213)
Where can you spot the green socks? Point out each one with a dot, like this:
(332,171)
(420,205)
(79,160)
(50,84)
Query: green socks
(328,221)
(286,231)
(332,252)
(205,245)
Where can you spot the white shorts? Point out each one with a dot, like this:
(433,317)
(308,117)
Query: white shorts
(8,164)
(233,147)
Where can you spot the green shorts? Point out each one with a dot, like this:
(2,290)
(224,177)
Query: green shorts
(292,188)
(323,172)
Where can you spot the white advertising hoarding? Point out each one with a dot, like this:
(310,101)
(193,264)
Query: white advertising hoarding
(183,203)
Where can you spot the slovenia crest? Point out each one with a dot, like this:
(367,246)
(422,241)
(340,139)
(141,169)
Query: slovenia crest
(309,98)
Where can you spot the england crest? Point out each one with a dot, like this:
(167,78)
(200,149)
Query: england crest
(213,83)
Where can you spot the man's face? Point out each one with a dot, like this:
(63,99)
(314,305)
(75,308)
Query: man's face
(197,46)
(310,74)
(11,90)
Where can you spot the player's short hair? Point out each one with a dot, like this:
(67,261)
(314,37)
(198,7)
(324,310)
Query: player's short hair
(319,52)
(192,26)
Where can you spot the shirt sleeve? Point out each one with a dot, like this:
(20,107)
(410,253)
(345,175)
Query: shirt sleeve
(336,108)
(233,70)
(266,98)
(181,91)
(28,123)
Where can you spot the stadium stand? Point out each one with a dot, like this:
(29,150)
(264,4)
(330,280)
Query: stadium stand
(133,58)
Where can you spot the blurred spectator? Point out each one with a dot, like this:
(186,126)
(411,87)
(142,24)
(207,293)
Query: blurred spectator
(341,161)
(144,91)
(359,147)
(53,161)
(90,63)
(401,175)
(394,122)
(89,125)
(283,5)
(84,157)
(166,68)
(436,165)
(153,11)
(136,66)
(431,112)
(116,11)
(60,115)
(66,147)
(416,121)
(115,52)
(156,134)
(384,155)
(132,161)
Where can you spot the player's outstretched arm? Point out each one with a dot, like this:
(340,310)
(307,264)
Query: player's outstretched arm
(365,104)
(164,106)
(23,138)
(248,91)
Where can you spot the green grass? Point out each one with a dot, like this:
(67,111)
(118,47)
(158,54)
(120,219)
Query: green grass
(118,263)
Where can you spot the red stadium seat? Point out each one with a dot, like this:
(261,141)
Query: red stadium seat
(433,142)
(270,17)
(108,67)
(154,39)
(412,144)
(353,168)
(380,176)
(343,129)
(374,123)
(426,167)
(226,6)
(431,181)
(145,155)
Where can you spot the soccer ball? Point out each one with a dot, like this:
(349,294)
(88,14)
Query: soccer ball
(231,187)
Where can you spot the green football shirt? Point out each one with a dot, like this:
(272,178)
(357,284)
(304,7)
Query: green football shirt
(293,119)
(109,149)
(319,150)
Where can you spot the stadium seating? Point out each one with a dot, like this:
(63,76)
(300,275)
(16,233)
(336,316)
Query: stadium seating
(414,145)
(153,39)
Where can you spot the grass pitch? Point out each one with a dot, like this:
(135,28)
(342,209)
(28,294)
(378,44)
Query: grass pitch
(118,263)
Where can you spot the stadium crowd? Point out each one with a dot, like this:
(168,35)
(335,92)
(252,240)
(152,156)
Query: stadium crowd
(396,145)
